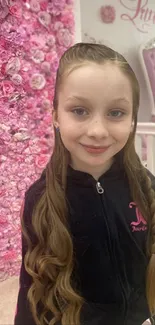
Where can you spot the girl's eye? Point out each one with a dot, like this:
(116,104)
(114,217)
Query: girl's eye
(79,111)
(116,114)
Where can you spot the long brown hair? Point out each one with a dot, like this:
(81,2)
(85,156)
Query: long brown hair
(50,262)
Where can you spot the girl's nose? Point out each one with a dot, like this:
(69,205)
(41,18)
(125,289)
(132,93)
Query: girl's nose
(98,129)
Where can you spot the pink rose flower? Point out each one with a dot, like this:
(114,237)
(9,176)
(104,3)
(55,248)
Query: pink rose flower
(3,12)
(54,61)
(108,14)
(4,3)
(12,20)
(67,18)
(26,66)
(56,7)
(22,32)
(3,219)
(35,25)
(16,11)
(41,161)
(38,41)
(43,5)
(27,15)
(5,28)
(7,87)
(52,56)
(58,3)
(3,68)
(2,44)
(58,25)
(10,255)
(46,68)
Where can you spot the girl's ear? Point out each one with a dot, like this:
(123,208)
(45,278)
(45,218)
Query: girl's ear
(55,119)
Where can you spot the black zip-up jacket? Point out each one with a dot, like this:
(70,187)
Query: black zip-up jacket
(109,238)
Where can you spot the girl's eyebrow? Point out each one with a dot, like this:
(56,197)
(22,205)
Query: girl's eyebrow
(78,98)
(115,100)
(121,99)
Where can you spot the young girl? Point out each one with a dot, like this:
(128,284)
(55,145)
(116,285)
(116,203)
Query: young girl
(88,223)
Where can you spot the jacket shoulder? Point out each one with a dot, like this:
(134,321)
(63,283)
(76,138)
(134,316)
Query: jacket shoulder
(37,188)
(32,195)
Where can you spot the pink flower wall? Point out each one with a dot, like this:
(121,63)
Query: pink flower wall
(33,36)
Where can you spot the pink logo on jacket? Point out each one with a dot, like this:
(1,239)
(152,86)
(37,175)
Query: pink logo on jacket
(140,224)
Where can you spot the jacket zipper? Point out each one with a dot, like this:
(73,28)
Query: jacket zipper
(99,187)
(100,191)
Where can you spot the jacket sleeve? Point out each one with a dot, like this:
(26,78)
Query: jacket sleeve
(23,314)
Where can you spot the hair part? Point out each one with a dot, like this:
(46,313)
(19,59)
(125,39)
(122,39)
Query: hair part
(51,261)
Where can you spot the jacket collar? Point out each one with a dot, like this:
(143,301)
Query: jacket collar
(115,172)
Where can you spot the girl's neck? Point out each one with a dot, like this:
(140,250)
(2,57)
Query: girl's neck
(96,172)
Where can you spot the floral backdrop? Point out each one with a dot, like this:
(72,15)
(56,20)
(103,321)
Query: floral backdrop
(33,36)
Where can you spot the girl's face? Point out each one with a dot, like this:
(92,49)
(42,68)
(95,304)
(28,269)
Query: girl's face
(94,115)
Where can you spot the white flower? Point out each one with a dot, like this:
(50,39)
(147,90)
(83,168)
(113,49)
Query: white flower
(64,37)
(50,40)
(13,66)
(21,135)
(44,18)
(38,56)
(37,81)
(34,5)
(46,104)
(17,79)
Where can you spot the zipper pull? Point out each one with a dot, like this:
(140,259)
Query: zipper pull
(99,187)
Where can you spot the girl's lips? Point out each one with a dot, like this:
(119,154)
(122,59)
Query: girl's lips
(94,149)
